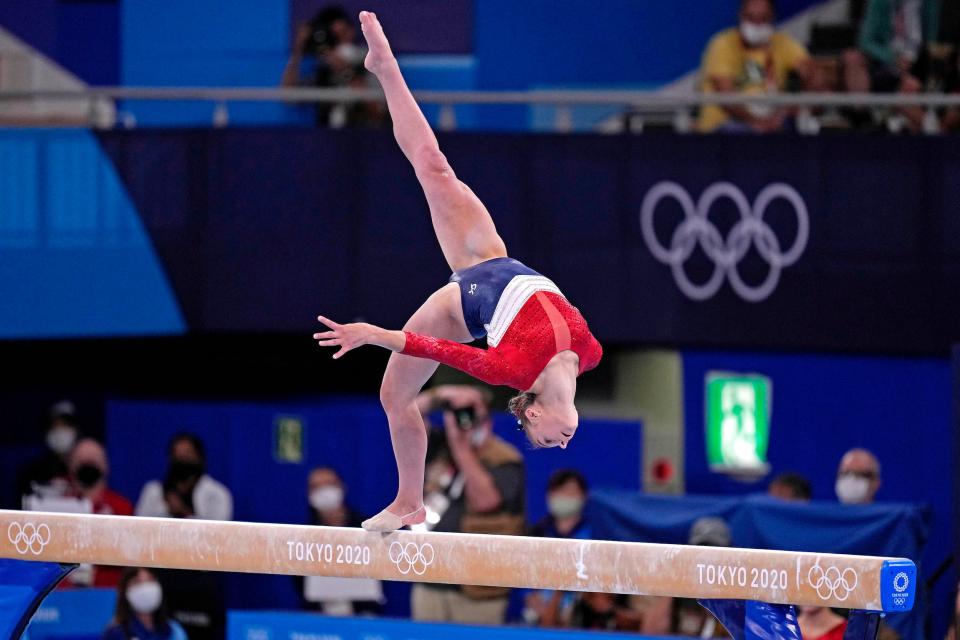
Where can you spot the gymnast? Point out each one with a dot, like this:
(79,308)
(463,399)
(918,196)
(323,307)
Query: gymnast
(537,342)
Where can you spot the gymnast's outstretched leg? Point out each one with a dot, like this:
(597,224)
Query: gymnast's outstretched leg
(462,224)
(467,236)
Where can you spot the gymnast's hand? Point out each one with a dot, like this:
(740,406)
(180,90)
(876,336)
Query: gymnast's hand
(356,334)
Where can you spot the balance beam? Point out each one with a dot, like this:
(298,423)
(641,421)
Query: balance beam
(785,577)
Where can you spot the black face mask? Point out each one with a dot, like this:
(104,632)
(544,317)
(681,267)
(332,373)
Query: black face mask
(183,471)
(88,475)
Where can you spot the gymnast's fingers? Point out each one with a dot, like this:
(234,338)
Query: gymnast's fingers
(343,349)
(329,343)
(325,334)
(330,323)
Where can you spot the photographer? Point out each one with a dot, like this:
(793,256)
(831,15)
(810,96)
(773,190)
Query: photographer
(476,485)
(325,54)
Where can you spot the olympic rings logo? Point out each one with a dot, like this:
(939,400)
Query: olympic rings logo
(28,538)
(833,583)
(725,253)
(411,557)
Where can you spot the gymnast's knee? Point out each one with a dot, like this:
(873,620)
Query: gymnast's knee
(428,160)
(396,401)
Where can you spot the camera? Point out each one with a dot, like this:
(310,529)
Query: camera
(322,39)
(465,417)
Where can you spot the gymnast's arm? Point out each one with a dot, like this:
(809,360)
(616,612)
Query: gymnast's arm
(482,364)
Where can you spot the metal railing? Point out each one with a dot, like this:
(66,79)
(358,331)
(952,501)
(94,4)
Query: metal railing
(633,102)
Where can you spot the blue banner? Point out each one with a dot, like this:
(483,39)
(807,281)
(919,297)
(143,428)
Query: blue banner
(736,242)
(251,625)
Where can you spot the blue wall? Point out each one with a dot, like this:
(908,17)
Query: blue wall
(825,405)
(81,36)
(241,43)
(350,435)
(74,257)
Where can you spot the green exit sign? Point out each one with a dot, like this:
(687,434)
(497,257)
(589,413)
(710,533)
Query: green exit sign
(738,422)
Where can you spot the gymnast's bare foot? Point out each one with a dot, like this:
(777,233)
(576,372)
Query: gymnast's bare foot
(390,520)
(380,53)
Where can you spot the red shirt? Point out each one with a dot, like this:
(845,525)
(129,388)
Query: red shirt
(834,634)
(544,326)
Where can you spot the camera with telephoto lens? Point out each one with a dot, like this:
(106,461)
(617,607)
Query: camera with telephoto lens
(465,417)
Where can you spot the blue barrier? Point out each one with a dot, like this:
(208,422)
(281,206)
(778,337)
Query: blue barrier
(23,585)
(73,614)
(249,625)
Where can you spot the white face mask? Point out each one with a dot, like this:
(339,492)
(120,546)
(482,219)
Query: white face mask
(351,53)
(61,439)
(852,489)
(564,506)
(326,498)
(756,35)
(145,597)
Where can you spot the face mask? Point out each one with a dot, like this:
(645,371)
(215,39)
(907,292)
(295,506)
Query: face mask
(181,471)
(852,489)
(145,597)
(478,436)
(350,53)
(564,506)
(61,439)
(88,475)
(326,498)
(756,35)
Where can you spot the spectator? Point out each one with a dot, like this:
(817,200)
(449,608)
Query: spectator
(858,477)
(89,470)
(892,54)
(820,623)
(689,618)
(566,497)
(485,495)
(606,612)
(47,475)
(140,611)
(325,494)
(753,58)
(187,491)
(953,630)
(790,486)
(949,54)
(325,54)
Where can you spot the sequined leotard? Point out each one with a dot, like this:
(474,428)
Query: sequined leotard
(531,323)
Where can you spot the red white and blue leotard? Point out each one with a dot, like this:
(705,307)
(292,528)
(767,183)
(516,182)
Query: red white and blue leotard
(531,323)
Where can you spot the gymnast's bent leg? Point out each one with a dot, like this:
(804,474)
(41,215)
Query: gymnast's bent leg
(405,376)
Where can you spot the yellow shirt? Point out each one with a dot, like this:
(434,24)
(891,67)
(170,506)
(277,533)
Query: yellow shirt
(758,70)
